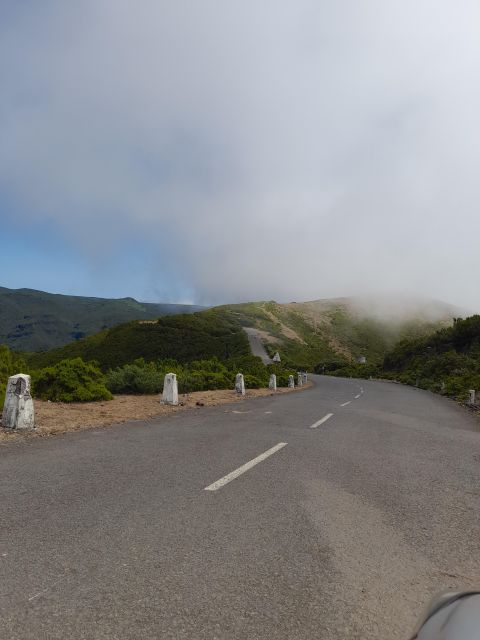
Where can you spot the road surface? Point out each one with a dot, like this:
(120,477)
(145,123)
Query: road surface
(332,513)
(256,344)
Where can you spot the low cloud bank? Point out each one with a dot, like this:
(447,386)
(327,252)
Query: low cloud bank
(288,150)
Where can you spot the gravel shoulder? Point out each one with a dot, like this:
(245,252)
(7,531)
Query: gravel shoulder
(58,417)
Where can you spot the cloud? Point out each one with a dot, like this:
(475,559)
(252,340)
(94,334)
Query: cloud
(283,149)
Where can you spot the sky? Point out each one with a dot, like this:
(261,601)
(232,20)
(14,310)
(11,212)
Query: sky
(224,151)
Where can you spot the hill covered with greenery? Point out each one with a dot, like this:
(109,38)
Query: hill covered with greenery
(446,362)
(416,345)
(34,320)
(184,338)
(305,334)
(340,330)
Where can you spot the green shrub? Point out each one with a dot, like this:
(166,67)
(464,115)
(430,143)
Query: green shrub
(10,364)
(253,382)
(183,337)
(447,362)
(135,379)
(70,381)
(199,375)
(190,381)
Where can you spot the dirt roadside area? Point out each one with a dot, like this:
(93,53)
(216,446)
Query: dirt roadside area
(58,417)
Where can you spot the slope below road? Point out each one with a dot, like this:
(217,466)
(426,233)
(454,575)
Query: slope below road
(344,531)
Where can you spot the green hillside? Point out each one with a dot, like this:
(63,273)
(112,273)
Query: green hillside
(309,333)
(447,362)
(185,338)
(34,320)
(305,334)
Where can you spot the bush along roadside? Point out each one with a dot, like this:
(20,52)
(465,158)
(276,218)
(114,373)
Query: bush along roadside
(70,381)
(74,380)
(344,369)
(142,377)
(10,364)
(447,362)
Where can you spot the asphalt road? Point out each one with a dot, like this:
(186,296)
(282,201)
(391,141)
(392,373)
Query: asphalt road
(343,532)
(256,344)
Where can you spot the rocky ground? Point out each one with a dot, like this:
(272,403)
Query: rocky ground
(58,417)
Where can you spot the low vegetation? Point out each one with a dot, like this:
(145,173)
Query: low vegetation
(326,330)
(74,380)
(184,337)
(344,369)
(207,349)
(446,362)
(10,364)
(70,381)
(198,375)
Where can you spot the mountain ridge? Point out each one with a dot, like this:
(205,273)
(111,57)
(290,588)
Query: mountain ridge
(33,320)
(305,334)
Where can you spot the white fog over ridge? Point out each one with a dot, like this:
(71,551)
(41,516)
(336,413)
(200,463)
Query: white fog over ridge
(288,150)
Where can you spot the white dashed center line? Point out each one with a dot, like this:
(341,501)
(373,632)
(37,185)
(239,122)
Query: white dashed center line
(345,403)
(356,397)
(321,421)
(245,467)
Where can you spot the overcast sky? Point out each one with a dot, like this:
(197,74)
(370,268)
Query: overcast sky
(220,151)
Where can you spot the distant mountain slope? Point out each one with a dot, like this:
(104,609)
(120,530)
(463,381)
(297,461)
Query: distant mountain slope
(34,320)
(308,333)
(305,334)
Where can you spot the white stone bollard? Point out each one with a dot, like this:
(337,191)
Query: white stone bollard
(471,396)
(18,408)
(170,389)
(272,384)
(299,379)
(305,377)
(240,384)
(291,382)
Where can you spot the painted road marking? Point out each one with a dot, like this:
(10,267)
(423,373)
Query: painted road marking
(356,397)
(245,467)
(345,403)
(319,422)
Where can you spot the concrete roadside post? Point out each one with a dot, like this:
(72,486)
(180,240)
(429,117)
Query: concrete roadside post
(471,396)
(305,377)
(170,389)
(272,384)
(291,382)
(299,379)
(240,384)
(18,410)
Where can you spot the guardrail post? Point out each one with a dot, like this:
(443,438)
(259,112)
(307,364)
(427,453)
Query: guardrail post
(170,389)
(240,384)
(18,410)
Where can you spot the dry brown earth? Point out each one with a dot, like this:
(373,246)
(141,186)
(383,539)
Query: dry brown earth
(58,417)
